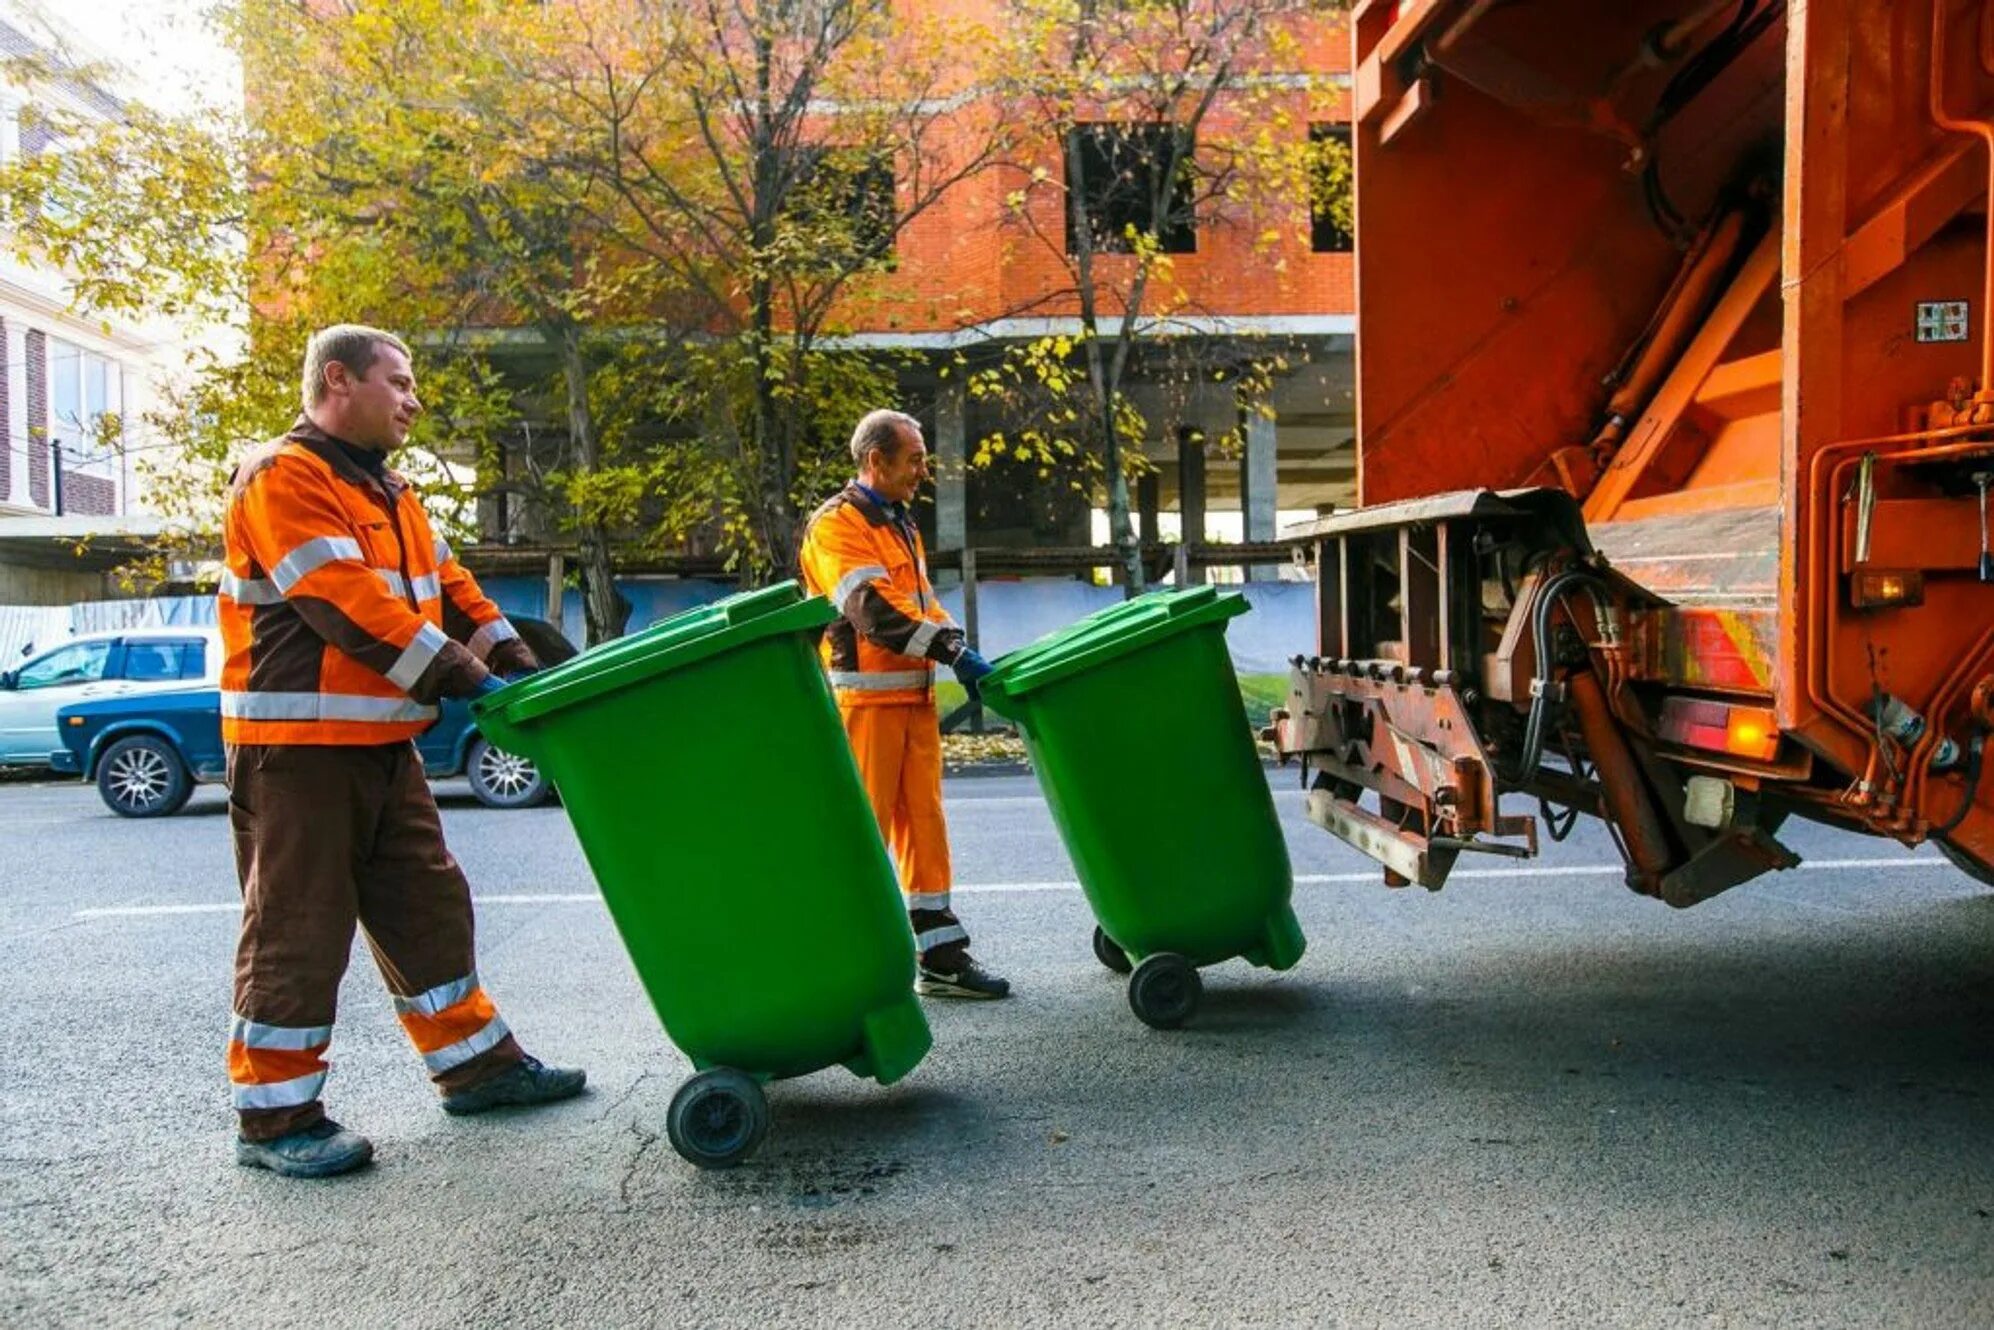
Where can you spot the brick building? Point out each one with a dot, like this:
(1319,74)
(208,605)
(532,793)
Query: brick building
(1272,279)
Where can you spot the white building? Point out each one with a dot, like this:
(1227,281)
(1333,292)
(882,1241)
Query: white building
(76,388)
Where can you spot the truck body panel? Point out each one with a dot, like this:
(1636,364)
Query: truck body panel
(1715,273)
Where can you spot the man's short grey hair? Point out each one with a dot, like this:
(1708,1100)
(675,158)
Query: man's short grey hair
(883,430)
(353,345)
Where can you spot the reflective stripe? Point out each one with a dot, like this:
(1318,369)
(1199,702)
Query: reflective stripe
(428,587)
(852,581)
(861,682)
(281,1094)
(923,638)
(439,998)
(292,1038)
(932,900)
(323,706)
(249,590)
(415,658)
(490,635)
(393,579)
(443,552)
(940,937)
(311,556)
(457,1054)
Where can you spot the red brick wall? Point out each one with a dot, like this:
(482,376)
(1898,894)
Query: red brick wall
(37,381)
(967,261)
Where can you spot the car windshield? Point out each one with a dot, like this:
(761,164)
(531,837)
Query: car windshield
(81,663)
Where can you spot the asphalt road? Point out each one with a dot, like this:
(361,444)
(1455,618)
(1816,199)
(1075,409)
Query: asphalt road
(1532,1098)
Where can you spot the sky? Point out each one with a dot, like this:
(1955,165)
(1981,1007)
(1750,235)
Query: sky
(174,59)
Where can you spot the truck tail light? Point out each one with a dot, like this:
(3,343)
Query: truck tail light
(1721,727)
(1878,589)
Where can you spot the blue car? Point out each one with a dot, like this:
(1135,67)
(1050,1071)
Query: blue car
(146,752)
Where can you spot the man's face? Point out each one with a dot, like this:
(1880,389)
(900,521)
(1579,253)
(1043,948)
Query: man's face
(899,477)
(374,410)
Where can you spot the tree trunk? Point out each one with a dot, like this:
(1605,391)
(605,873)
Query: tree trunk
(605,612)
(1104,385)
(1101,383)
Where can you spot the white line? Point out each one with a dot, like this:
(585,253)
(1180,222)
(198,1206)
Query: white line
(543,898)
(1001,888)
(132,911)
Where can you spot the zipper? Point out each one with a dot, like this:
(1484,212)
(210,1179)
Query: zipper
(905,529)
(394,507)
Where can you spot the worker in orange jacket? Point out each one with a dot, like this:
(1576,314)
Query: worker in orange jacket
(344,618)
(862,551)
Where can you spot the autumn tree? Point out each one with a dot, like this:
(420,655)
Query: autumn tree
(765,157)
(1155,121)
(677,208)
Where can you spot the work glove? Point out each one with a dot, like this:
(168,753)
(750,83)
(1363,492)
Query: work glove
(969,670)
(488,685)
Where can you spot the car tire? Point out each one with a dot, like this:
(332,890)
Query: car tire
(143,776)
(503,780)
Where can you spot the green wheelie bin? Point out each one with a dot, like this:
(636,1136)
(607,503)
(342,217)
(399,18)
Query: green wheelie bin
(1135,727)
(712,789)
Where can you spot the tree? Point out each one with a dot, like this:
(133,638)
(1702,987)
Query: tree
(367,185)
(1158,120)
(763,158)
(675,208)
(376,131)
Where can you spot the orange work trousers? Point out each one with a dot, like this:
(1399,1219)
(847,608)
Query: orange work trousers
(899,752)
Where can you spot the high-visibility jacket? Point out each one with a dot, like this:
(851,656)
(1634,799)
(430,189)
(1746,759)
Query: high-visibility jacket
(343,616)
(892,629)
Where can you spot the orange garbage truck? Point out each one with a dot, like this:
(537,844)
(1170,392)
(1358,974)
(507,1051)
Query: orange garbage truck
(1675,437)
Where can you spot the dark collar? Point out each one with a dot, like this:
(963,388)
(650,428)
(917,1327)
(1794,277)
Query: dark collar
(874,509)
(349,460)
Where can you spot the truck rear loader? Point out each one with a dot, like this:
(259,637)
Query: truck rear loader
(1675,435)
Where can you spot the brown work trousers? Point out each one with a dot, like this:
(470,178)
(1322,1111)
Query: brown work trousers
(327,836)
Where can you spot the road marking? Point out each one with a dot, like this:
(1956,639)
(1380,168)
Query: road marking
(1066,884)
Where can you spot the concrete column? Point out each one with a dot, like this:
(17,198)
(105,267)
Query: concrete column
(1191,495)
(951,461)
(1258,485)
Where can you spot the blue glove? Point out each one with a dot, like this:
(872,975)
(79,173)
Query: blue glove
(488,685)
(969,670)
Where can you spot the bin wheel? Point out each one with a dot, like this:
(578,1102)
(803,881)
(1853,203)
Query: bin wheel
(1164,990)
(718,1118)
(1110,955)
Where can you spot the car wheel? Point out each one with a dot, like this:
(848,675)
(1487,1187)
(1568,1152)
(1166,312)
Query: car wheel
(503,780)
(143,777)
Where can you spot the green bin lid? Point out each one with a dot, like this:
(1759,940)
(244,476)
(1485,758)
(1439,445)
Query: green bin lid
(1107,635)
(670,644)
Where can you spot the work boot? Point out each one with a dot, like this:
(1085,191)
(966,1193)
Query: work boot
(524,1084)
(321,1150)
(969,980)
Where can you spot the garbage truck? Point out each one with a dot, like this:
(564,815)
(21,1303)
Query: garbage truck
(1675,432)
